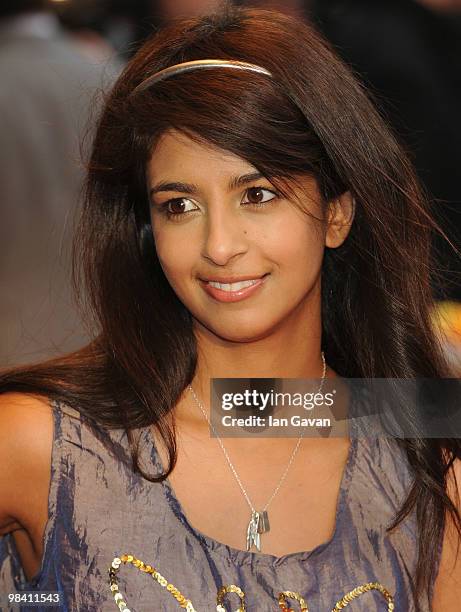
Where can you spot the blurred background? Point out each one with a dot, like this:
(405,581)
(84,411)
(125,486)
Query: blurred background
(58,57)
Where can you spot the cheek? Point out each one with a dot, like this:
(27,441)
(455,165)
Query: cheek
(176,256)
(297,244)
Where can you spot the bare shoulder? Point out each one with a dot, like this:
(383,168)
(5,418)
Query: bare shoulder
(447,589)
(26,426)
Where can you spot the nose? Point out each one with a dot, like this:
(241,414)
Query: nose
(224,236)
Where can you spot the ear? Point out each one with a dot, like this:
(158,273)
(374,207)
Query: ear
(340,216)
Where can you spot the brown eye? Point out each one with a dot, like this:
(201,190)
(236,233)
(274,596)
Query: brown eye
(259,195)
(179,206)
(176,206)
(255,195)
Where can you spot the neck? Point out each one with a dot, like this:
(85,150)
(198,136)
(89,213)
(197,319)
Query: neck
(291,351)
(280,355)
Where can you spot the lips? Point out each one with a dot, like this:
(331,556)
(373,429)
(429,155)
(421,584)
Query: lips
(233,286)
(232,289)
(232,279)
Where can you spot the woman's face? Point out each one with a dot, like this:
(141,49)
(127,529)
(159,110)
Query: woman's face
(242,259)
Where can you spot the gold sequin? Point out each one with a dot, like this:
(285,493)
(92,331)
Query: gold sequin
(360,590)
(232,588)
(291,595)
(117,561)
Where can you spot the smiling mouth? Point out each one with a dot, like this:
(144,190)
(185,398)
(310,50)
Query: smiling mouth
(233,291)
(233,283)
(234,286)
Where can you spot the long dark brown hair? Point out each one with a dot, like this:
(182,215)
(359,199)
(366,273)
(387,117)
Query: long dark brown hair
(312,117)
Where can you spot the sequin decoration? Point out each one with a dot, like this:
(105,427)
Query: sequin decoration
(231,588)
(148,569)
(186,604)
(291,595)
(360,590)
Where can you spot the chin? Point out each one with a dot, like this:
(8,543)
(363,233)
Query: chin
(239,332)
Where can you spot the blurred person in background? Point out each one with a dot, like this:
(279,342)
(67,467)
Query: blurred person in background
(46,90)
(91,24)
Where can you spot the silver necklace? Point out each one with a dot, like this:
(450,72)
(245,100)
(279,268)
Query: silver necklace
(259,521)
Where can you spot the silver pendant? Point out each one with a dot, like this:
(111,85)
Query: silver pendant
(263,524)
(259,523)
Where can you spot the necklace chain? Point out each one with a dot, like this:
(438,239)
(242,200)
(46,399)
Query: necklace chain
(234,471)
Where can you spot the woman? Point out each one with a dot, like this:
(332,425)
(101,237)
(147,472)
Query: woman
(246,216)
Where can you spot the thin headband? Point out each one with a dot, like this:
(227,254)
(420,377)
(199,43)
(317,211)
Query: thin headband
(166,73)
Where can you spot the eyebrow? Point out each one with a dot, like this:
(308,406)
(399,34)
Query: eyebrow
(190,189)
